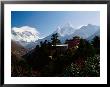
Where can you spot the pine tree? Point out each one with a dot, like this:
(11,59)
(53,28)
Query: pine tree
(96,42)
(55,39)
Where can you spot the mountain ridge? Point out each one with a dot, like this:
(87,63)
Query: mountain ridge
(24,35)
(67,32)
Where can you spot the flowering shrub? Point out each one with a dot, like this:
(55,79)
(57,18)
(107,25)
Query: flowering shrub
(91,69)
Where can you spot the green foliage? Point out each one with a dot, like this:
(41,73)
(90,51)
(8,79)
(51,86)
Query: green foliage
(92,66)
(71,70)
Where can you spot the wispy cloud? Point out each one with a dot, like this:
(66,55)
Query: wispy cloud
(25,33)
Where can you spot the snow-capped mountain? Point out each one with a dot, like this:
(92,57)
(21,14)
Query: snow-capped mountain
(67,29)
(24,35)
(63,31)
(86,31)
(92,36)
(68,32)
(29,37)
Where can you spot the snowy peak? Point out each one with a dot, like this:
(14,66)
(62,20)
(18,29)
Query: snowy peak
(90,26)
(67,29)
(25,33)
(86,31)
(67,25)
(67,32)
(29,37)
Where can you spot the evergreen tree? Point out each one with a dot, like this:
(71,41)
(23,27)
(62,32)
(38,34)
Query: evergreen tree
(55,39)
(96,42)
(85,49)
(76,37)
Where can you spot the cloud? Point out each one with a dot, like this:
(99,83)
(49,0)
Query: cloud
(26,28)
(25,33)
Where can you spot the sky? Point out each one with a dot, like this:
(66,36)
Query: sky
(46,22)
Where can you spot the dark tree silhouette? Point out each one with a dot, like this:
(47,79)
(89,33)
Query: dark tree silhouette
(55,39)
(96,42)
(76,37)
(85,49)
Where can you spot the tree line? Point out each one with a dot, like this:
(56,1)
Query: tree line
(82,61)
